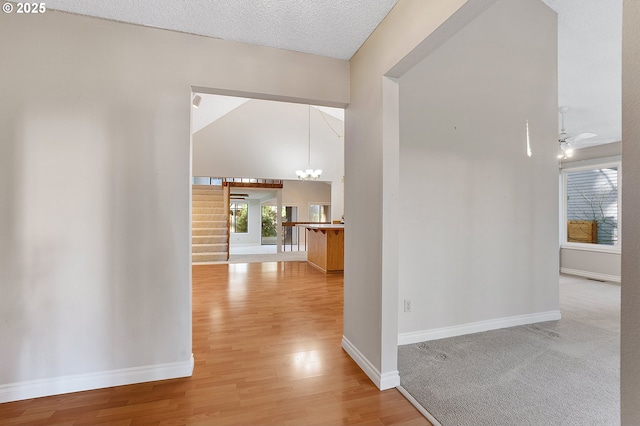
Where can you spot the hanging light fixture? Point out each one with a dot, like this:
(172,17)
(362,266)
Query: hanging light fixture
(309,173)
(565,150)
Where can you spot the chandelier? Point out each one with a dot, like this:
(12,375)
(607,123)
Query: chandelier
(309,173)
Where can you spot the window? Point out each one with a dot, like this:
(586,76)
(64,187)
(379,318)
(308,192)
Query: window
(319,213)
(238,218)
(591,205)
(205,180)
(269,221)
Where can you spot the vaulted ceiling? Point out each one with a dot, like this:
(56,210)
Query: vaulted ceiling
(589,40)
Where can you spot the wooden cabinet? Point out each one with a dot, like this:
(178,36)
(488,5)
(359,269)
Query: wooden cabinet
(325,247)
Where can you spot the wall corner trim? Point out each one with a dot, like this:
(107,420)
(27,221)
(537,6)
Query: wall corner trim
(82,382)
(476,327)
(382,381)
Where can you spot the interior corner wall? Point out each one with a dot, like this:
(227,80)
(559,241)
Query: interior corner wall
(95,188)
(479,228)
(369,337)
(630,316)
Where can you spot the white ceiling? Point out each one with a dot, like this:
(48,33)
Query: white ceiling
(589,39)
(334,28)
(214,107)
(590,67)
(211,108)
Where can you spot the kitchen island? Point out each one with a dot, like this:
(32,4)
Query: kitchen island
(325,246)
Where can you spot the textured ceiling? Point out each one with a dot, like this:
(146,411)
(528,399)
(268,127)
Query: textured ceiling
(334,28)
(589,40)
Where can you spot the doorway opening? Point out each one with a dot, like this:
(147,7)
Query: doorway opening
(246,139)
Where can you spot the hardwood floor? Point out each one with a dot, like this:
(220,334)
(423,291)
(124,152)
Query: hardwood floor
(266,341)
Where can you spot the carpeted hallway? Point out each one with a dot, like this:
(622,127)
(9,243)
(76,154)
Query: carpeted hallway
(553,373)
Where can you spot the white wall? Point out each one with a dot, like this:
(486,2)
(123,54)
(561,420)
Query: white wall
(95,182)
(410,32)
(630,320)
(478,231)
(301,194)
(604,264)
(337,199)
(600,265)
(273,145)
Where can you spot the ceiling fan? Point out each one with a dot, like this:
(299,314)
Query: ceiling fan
(566,140)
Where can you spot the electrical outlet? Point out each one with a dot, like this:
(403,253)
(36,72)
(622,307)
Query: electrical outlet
(407,305)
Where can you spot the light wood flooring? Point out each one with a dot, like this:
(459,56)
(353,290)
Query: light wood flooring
(266,341)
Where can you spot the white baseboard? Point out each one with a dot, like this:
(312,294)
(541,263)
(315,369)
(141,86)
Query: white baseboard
(389,380)
(475,327)
(593,275)
(382,381)
(82,382)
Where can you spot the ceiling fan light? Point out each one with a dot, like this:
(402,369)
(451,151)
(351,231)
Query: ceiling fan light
(566,139)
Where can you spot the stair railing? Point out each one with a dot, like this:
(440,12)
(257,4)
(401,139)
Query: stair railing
(301,227)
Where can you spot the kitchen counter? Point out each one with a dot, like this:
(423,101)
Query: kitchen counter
(325,246)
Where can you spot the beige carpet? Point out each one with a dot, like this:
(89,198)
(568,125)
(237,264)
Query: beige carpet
(553,373)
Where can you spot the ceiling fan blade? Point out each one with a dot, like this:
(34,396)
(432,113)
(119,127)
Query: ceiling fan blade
(582,136)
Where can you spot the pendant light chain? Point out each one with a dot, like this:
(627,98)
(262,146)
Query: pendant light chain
(309,173)
(309,138)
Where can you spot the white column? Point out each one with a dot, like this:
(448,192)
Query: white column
(337,199)
(279,221)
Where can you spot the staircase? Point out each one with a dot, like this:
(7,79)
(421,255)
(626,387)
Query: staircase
(209,224)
